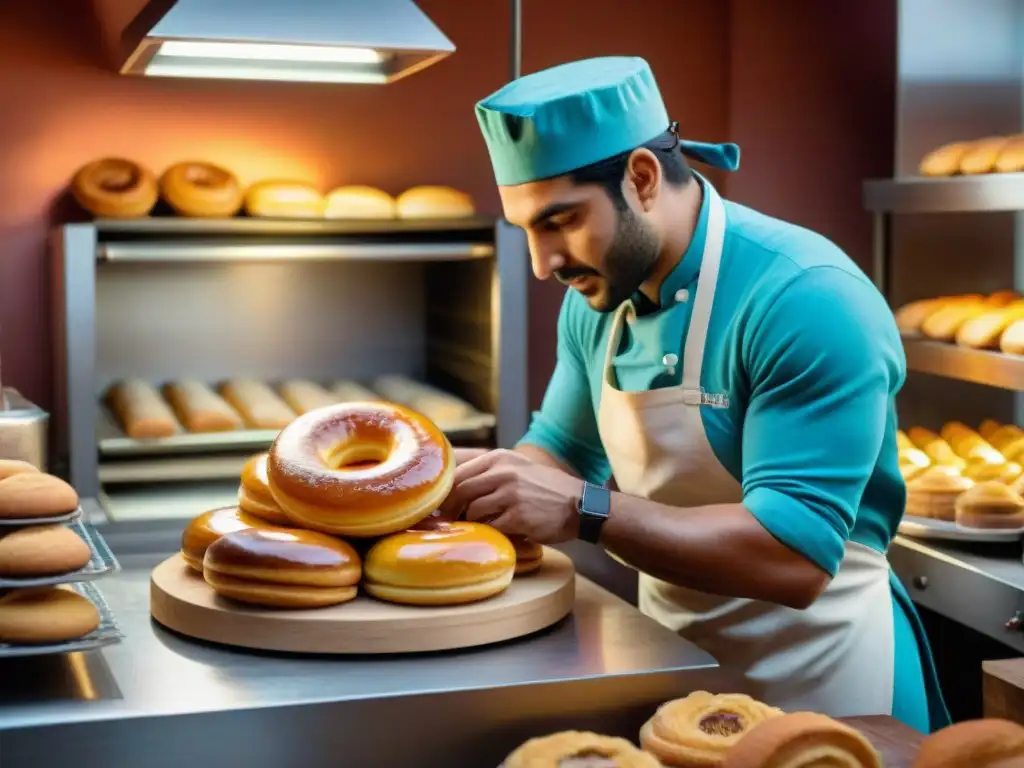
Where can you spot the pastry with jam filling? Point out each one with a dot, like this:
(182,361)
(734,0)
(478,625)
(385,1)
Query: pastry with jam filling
(579,749)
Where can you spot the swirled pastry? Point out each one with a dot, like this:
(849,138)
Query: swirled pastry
(803,740)
(700,729)
(578,749)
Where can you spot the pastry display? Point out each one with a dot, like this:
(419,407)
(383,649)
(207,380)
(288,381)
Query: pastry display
(578,749)
(990,504)
(254,496)
(284,200)
(447,564)
(434,202)
(259,405)
(9,467)
(989,154)
(970,320)
(802,740)
(988,743)
(302,395)
(282,568)
(115,188)
(435,404)
(360,202)
(201,532)
(360,469)
(529,555)
(701,728)
(42,615)
(201,189)
(199,408)
(353,392)
(934,492)
(140,410)
(42,550)
(35,495)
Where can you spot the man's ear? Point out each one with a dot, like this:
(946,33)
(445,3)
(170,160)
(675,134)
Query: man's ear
(643,177)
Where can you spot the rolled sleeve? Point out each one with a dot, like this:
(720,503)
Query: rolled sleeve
(566,424)
(823,365)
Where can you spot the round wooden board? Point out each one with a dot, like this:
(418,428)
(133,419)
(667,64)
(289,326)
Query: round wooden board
(180,600)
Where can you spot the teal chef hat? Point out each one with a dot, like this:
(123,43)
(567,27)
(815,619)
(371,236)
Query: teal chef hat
(557,120)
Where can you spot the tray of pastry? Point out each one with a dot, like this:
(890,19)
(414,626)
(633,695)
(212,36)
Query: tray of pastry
(139,419)
(944,530)
(42,621)
(982,322)
(46,555)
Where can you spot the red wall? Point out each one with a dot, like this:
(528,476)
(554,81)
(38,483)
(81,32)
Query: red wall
(778,77)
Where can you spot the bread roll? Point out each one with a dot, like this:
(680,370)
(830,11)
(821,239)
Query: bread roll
(303,396)
(988,743)
(434,202)
(199,408)
(353,392)
(258,404)
(205,529)
(282,568)
(141,411)
(360,202)
(1002,298)
(1011,156)
(943,323)
(41,550)
(580,749)
(34,496)
(803,740)
(988,428)
(284,200)
(980,156)
(1012,340)
(934,492)
(44,615)
(943,161)
(990,504)
(985,330)
(937,449)
(910,316)
(968,444)
(450,564)
(435,404)
(980,469)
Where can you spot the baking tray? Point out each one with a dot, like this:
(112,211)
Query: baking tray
(25,522)
(103,563)
(941,530)
(107,633)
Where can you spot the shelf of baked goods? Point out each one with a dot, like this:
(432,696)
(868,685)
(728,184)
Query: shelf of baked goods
(963,483)
(960,177)
(970,337)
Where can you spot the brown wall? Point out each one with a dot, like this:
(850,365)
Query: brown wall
(777,77)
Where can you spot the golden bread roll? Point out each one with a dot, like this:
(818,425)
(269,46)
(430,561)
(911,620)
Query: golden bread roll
(803,740)
(202,190)
(968,444)
(448,564)
(141,411)
(988,428)
(934,492)
(1001,435)
(1011,156)
(578,749)
(282,568)
(980,156)
(9,467)
(529,555)
(988,743)
(985,330)
(353,392)
(284,200)
(1012,340)
(943,323)
(303,396)
(944,160)
(258,404)
(979,470)
(437,405)
(199,408)
(360,202)
(115,188)
(702,728)
(254,496)
(1002,298)
(910,317)
(35,495)
(44,615)
(205,529)
(434,202)
(937,449)
(41,550)
(990,504)
(912,460)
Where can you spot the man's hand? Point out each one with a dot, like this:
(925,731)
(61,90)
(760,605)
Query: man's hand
(517,496)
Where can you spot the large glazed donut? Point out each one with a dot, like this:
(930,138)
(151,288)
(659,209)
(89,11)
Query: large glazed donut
(319,476)
(201,190)
(115,188)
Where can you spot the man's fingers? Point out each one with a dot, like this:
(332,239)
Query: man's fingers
(468,490)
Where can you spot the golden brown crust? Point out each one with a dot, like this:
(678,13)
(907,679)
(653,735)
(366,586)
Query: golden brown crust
(284,200)
(933,493)
(201,189)
(578,749)
(115,188)
(990,504)
(35,495)
(943,324)
(985,330)
(205,529)
(434,202)
(1012,340)
(937,449)
(42,550)
(801,740)
(360,202)
(944,160)
(987,743)
(910,317)
(141,411)
(199,408)
(258,403)
(254,496)
(1011,156)
(45,615)
(303,396)
(980,156)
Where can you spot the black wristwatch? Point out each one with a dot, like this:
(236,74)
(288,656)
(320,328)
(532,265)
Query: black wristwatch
(595,504)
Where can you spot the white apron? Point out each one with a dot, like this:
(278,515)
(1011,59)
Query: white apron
(837,656)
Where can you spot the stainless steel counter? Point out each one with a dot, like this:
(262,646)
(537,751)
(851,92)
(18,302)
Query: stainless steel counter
(162,700)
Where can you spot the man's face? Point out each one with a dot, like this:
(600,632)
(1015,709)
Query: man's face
(579,236)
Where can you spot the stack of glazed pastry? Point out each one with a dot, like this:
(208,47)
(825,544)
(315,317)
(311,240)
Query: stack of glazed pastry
(993,322)
(988,743)
(990,154)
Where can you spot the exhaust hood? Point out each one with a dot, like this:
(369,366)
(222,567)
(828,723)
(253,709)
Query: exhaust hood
(316,41)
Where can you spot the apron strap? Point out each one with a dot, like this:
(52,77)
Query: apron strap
(614,337)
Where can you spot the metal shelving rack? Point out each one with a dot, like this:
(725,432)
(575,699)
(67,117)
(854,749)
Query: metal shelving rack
(988,193)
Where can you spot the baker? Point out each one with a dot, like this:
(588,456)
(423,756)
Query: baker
(734,373)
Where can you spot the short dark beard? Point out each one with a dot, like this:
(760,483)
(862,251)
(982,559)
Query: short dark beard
(629,262)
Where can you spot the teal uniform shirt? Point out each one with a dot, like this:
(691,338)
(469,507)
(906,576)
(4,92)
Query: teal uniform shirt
(808,354)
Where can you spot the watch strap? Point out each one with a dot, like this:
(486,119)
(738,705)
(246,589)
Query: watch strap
(594,508)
